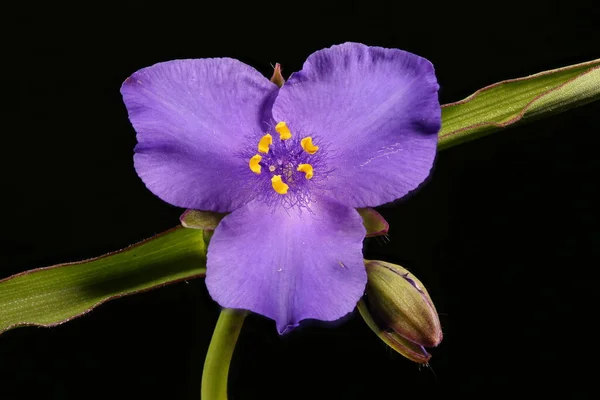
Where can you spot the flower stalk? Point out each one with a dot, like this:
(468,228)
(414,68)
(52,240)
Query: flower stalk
(220,352)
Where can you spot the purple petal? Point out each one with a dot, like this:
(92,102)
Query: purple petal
(376,113)
(192,118)
(288,264)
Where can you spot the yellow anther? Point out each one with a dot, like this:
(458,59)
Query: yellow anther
(254,164)
(278,185)
(307,169)
(265,142)
(283,130)
(308,145)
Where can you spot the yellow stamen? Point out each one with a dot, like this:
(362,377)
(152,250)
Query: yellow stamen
(308,145)
(307,169)
(278,185)
(265,142)
(254,164)
(283,130)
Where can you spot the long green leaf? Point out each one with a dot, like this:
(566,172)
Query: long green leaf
(53,295)
(508,102)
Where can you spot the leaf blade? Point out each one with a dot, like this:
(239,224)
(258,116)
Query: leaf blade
(53,295)
(42,290)
(508,102)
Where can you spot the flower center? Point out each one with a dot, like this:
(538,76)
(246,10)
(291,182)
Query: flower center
(287,161)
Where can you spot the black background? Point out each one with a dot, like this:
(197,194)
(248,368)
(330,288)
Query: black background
(504,235)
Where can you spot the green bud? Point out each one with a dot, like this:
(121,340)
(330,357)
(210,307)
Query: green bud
(399,310)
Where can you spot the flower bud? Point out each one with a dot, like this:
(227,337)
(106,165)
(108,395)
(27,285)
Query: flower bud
(399,310)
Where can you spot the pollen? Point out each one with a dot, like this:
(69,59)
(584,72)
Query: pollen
(283,130)
(264,143)
(278,185)
(308,145)
(307,169)
(254,164)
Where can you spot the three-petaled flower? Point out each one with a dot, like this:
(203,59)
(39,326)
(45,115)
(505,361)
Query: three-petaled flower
(356,127)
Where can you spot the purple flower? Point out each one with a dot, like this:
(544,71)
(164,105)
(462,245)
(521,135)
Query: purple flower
(356,127)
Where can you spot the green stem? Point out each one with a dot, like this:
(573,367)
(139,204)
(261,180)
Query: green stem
(220,351)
